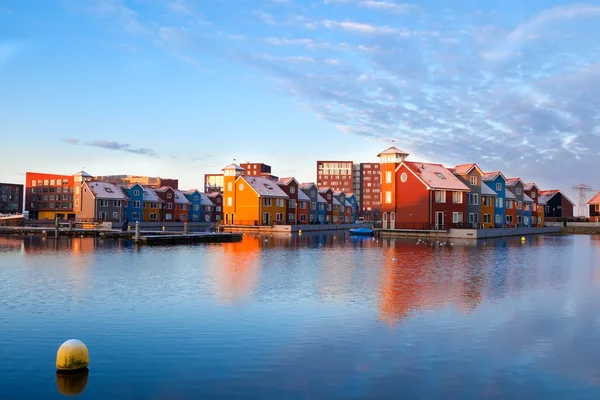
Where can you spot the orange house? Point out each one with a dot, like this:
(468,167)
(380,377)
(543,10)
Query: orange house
(303,207)
(488,198)
(251,200)
(511,209)
(152,205)
(181,206)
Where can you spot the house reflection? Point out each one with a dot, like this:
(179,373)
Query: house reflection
(11,244)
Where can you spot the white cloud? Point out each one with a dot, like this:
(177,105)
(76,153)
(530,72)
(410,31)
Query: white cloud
(359,27)
(388,6)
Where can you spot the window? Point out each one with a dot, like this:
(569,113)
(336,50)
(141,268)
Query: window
(473,198)
(116,203)
(519,205)
(473,218)
(292,204)
(103,203)
(168,216)
(439,175)
(152,216)
(457,197)
(519,219)
(169,195)
(403,177)
(279,217)
(280,203)
(509,219)
(136,192)
(292,189)
(597,207)
(547,209)
(102,215)
(52,182)
(46,182)
(219,208)
(169,206)
(440,196)
(33,183)
(313,205)
(290,217)
(267,202)
(115,215)
(518,191)
(388,197)
(533,197)
(457,217)
(183,207)
(499,202)
(109,190)
(498,187)
(182,217)
(196,207)
(474,181)
(487,201)
(313,193)
(195,198)
(302,217)
(136,204)
(135,215)
(487,218)
(498,218)
(388,176)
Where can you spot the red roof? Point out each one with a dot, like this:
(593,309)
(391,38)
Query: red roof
(465,168)
(595,199)
(435,176)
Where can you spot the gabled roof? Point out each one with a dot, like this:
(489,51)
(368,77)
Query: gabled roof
(513,182)
(164,189)
(264,187)
(214,194)
(233,166)
(393,150)
(527,199)
(509,195)
(105,190)
(339,193)
(131,185)
(435,176)
(491,176)
(466,169)
(191,192)
(151,196)
(348,204)
(320,199)
(487,191)
(545,195)
(205,200)
(595,199)
(180,197)
(286,181)
(302,196)
(325,190)
(307,185)
(336,202)
(530,185)
(83,174)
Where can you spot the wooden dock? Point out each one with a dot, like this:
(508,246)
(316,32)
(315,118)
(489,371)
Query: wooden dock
(191,238)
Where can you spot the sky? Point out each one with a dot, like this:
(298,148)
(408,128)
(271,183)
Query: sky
(180,88)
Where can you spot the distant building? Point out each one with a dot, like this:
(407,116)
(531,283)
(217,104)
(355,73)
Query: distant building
(101,201)
(368,191)
(217,199)
(11,198)
(213,183)
(594,205)
(48,196)
(335,174)
(146,181)
(556,204)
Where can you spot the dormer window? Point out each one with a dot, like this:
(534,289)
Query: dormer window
(109,190)
(439,175)
(169,195)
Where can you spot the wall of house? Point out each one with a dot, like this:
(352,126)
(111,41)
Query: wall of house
(476,189)
(147,210)
(534,207)
(500,194)
(246,204)
(487,210)
(410,199)
(303,213)
(566,207)
(87,205)
(130,209)
(181,212)
(110,210)
(390,187)
(449,208)
(313,199)
(272,210)
(593,212)
(512,212)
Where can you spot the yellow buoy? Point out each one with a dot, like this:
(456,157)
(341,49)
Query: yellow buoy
(72,355)
(72,383)
(523,238)
(300,231)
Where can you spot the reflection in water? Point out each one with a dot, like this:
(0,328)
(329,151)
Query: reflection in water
(72,383)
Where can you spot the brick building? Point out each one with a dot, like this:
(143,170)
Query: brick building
(336,175)
(11,198)
(48,196)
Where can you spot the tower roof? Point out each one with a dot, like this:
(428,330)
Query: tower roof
(83,173)
(233,166)
(393,150)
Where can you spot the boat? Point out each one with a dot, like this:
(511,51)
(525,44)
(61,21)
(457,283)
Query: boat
(362,232)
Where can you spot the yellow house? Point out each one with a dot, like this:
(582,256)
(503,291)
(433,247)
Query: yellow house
(487,206)
(151,206)
(251,200)
(540,214)
(337,211)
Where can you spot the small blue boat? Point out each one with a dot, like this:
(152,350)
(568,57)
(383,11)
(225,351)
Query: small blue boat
(362,232)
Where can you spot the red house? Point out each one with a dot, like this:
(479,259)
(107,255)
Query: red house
(167,195)
(217,199)
(290,187)
(532,191)
(303,208)
(417,195)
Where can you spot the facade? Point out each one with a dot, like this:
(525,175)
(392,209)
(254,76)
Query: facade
(195,207)
(531,191)
(327,194)
(497,182)
(335,174)
(11,198)
(151,205)
(321,210)
(488,200)
(303,216)
(99,201)
(167,196)
(471,175)
(517,187)
(258,169)
(353,203)
(368,191)
(217,199)
(419,195)
(556,204)
(312,192)
(133,208)
(213,183)
(146,181)
(182,206)
(594,206)
(48,196)
(510,209)
(291,187)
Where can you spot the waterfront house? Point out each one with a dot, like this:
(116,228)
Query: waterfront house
(497,182)
(556,204)
(207,209)
(217,199)
(594,205)
(167,196)
(100,201)
(353,203)
(312,191)
(133,206)
(252,200)
(531,190)
(510,209)
(182,206)
(303,208)
(195,207)
(488,200)
(528,206)
(517,187)
(152,205)
(327,194)
(338,210)
(290,187)
(321,210)
(470,175)
(418,195)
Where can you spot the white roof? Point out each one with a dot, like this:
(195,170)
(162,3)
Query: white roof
(509,195)
(487,191)
(233,166)
(264,187)
(83,173)
(336,202)
(180,197)
(436,176)
(302,196)
(151,196)
(320,199)
(205,200)
(307,185)
(527,199)
(392,150)
(105,190)
(348,204)
(545,195)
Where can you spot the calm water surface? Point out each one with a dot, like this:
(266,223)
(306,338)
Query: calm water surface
(311,316)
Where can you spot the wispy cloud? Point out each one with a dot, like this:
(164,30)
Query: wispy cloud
(388,6)
(112,145)
(119,11)
(359,27)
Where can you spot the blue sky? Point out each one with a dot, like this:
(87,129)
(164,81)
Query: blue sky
(179,88)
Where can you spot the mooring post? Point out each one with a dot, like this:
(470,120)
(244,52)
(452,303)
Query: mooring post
(185,231)
(56,233)
(137,231)
(70,225)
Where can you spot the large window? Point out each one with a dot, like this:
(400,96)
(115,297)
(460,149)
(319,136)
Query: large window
(388,176)
(440,196)
(473,198)
(388,197)
(457,197)
(487,218)
(457,217)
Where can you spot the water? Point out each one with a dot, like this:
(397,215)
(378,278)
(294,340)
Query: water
(311,316)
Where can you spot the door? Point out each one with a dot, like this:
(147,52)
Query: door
(439,220)
(393,220)
(385,224)
(267,219)
(232,219)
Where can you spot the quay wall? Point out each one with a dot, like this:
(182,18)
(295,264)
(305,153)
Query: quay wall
(470,233)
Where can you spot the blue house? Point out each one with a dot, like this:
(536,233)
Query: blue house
(351,198)
(497,182)
(195,213)
(133,210)
(207,209)
(321,210)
